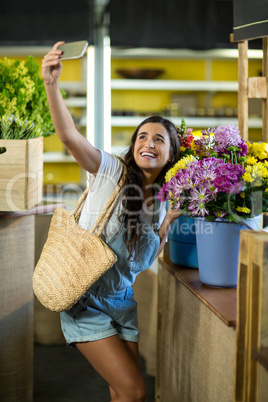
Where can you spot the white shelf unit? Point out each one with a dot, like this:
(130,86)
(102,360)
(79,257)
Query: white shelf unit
(194,122)
(150,53)
(174,85)
(179,85)
(57,157)
(76,102)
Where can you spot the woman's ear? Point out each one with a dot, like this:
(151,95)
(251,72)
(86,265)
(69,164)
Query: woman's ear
(169,160)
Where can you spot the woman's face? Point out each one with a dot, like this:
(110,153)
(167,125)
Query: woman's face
(152,147)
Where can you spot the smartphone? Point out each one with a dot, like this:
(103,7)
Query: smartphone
(73,50)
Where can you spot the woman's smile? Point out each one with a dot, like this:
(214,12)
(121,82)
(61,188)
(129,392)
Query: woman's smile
(148,155)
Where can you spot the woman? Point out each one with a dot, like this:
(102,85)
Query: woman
(103,324)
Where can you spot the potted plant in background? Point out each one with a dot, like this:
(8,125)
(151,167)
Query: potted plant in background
(21,164)
(24,121)
(22,93)
(224,186)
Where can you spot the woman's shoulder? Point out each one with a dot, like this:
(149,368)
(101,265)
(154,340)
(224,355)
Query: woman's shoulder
(110,163)
(110,170)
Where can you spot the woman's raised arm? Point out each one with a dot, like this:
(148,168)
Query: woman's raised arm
(86,155)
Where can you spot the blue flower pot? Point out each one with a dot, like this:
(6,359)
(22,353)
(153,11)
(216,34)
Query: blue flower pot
(218,250)
(182,243)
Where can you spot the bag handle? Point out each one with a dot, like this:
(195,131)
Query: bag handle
(79,204)
(107,210)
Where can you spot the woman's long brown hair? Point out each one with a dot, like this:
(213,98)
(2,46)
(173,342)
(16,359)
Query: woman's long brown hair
(132,187)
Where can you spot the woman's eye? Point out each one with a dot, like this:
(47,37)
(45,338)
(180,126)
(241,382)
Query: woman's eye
(159,139)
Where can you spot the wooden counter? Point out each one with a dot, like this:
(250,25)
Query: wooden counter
(221,301)
(196,337)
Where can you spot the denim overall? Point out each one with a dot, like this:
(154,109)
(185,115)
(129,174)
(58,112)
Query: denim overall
(108,307)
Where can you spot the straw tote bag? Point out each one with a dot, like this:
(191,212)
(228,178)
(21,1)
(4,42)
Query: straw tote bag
(72,258)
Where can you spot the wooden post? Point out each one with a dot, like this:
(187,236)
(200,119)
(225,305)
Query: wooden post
(265,101)
(243,89)
(259,307)
(252,312)
(243,307)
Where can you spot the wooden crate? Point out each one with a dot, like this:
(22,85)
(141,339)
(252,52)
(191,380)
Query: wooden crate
(252,312)
(21,174)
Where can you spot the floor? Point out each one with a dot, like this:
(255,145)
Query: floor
(62,374)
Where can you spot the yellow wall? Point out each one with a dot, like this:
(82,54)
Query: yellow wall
(62,173)
(153,101)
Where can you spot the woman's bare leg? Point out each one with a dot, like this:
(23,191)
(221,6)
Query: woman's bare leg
(117,362)
(133,349)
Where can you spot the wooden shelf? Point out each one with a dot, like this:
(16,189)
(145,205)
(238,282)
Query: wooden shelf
(221,301)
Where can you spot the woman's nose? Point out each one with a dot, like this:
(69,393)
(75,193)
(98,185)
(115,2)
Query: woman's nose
(150,143)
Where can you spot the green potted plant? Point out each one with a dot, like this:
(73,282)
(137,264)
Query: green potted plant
(24,121)
(22,93)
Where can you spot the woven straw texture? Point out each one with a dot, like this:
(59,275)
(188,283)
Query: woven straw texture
(72,258)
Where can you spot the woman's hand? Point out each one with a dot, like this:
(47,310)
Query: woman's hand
(51,65)
(171,216)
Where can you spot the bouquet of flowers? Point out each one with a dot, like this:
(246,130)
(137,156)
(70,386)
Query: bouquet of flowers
(219,176)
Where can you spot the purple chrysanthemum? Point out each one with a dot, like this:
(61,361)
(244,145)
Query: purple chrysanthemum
(196,189)
(228,136)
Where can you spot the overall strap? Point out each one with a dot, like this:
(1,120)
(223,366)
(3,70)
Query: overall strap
(156,211)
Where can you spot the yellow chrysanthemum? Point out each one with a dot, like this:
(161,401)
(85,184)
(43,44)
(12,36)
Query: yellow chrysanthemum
(256,174)
(179,165)
(242,195)
(251,160)
(259,151)
(249,147)
(265,164)
(245,210)
(194,147)
(247,177)
(261,170)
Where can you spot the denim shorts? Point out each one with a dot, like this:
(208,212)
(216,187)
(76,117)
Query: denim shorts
(101,313)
